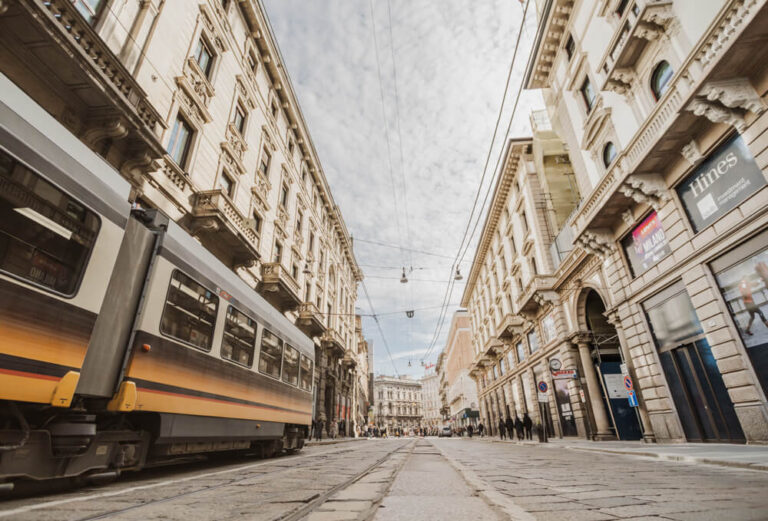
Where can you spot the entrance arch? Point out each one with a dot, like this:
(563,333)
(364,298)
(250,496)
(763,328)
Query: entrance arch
(599,348)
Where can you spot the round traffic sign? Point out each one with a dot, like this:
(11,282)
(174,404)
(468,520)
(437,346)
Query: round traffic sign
(542,387)
(628,383)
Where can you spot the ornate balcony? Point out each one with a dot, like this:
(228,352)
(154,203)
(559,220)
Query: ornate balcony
(538,293)
(278,287)
(220,226)
(310,320)
(493,348)
(332,341)
(510,326)
(53,53)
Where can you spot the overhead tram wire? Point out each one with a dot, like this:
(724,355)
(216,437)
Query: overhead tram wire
(378,325)
(466,237)
(394,246)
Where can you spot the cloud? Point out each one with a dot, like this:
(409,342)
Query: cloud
(452,59)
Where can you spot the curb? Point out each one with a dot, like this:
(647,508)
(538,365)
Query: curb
(331,442)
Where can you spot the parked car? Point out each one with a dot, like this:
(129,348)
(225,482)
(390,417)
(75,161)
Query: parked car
(445,432)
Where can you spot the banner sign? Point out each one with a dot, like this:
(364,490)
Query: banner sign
(646,245)
(728,177)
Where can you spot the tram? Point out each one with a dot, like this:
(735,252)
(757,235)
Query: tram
(123,341)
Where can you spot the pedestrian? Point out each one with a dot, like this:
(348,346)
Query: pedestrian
(518,427)
(510,426)
(502,428)
(527,425)
(480,428)
(319,430)
(469,430)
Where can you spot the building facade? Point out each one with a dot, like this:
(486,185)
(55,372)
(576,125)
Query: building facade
(398,403)
(458,393)
(191,103)
(657,278)
(430,401)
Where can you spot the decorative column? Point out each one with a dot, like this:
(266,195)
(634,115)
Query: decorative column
(323,367)
(595,394)
(645,421)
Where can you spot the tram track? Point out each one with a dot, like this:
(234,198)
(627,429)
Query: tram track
(275,469)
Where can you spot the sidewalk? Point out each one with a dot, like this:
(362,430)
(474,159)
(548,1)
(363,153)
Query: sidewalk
(754,457)
(330,441)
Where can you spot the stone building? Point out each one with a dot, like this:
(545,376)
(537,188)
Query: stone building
(458,393)
(398,402)
(191,103)
(430,401)
(660,271)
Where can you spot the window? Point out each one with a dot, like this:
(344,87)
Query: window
(284,196)
(311,245)
(524,223)
(226,184)
(178,145)
(306,373)
(588,94)
(239,339)
(291,365)
(257,223)
(501,367)
(299,222)
(277,254)
(46,237)
(273,109)
(609,153)
(295,271)
(291,147)
(253,63)
(190,311)
(88,8)
(533,341)
(238,121)
(570,47)
(307,292)
(621,7)
(520,351)
(266,159)
(204,57)
(271,354)
(660,79)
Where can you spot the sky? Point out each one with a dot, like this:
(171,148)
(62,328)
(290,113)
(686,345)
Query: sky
(403,141)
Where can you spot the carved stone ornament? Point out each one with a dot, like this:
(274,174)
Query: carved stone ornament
(107,128)
(692,153)
(735,93)
(543,298)
(628,217)
(717,113)
(599,244)
(646,188)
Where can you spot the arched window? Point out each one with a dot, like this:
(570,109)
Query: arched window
(660,79)
(609,153)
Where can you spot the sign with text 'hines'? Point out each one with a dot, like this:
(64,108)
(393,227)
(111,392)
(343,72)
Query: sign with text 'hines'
(726,178)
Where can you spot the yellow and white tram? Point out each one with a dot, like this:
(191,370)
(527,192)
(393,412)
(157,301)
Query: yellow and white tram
(122,340)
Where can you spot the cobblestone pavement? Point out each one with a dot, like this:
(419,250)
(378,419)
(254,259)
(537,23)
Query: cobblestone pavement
(553,483)
(279,488)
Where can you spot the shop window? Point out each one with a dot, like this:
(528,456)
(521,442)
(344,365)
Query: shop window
(46,236)
(204,57)
(239,339)
(609,153)
(588,94)
(291,365)
(742,276)
(660,78)
(190,311)
(723,181)
(645,245)
(181,137)
(271,354)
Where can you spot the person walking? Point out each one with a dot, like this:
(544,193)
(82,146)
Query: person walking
(469,430)
(318,430)
(502,428)
(480,429)
(510,426)
(519,427)
(527,425)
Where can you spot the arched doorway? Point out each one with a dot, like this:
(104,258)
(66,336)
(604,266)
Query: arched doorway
(605,355)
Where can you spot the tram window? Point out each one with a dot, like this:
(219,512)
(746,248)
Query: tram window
(46,236)
(190,312)
(271,354)
(291,365)
(306,373)
(239,337)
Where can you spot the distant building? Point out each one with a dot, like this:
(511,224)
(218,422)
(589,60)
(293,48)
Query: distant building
(430,400)
(458,393)
(398,402)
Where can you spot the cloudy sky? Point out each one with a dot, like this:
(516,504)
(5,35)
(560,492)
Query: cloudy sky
(443,67)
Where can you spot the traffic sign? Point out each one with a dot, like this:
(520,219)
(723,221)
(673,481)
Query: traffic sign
(542,387)
(543,397)
(581,395)
(628,383)
(632,399)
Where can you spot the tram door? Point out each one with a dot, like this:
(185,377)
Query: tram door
(706,411)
